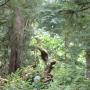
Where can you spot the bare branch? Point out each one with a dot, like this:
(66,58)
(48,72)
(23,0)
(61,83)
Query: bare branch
(83,9)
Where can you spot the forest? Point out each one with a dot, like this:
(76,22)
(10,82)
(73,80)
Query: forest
(44,45)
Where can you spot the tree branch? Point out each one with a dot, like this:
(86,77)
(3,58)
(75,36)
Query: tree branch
(84,9)
(83,3)
(71,11)
(4,3)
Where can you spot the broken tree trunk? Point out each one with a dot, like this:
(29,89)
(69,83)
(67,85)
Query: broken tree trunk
(47,72)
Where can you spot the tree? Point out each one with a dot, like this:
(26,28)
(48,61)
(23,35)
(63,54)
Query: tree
(72,18)
(16,41)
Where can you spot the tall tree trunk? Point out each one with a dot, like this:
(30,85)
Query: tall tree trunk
(16,41)
(88,63)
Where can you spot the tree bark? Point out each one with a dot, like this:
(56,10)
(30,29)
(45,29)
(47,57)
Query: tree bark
(16,41)
(88,63)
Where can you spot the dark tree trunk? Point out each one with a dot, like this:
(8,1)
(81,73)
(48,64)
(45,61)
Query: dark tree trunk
(16,41)
(88,63)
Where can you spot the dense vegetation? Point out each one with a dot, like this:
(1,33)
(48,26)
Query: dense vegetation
(44,45)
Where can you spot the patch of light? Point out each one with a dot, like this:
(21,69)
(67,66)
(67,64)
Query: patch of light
(50,1)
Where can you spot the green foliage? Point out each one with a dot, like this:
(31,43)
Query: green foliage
(18,85)
(62,27)
(15,82)
(67,77)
